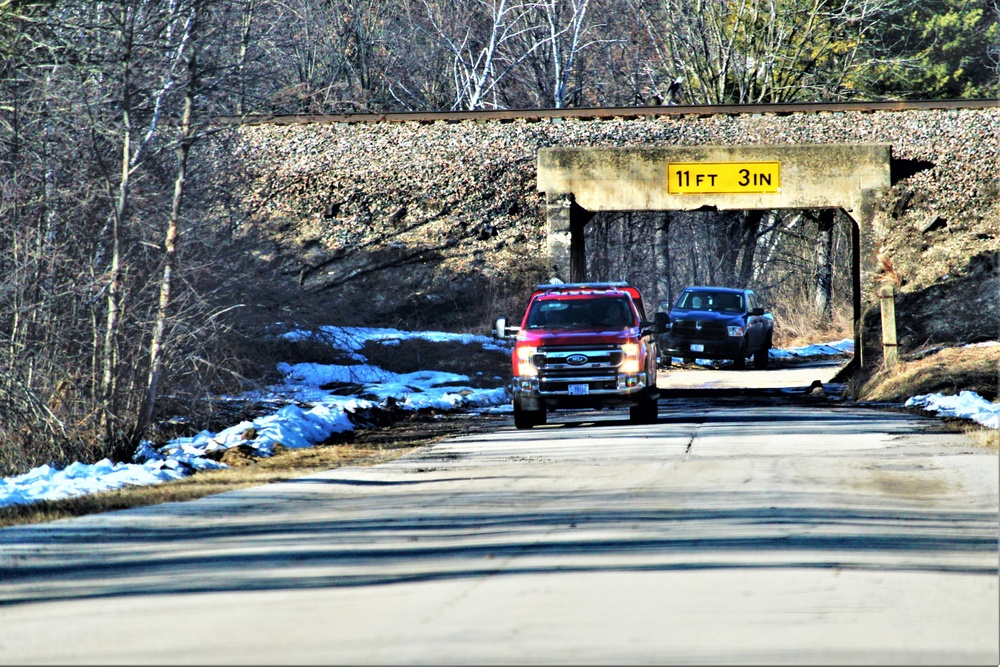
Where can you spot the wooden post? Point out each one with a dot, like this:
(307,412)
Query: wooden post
(890,348)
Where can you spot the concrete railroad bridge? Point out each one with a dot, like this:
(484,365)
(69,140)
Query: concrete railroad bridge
(858,157)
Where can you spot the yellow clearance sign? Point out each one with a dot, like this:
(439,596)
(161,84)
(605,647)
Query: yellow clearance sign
(684,178)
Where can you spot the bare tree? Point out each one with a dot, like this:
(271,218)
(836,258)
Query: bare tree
(824,268)
(143,33)
(247,17)
(565,32)
(93,94)
(762,51)
(661,242)
(185,141)
(486,40)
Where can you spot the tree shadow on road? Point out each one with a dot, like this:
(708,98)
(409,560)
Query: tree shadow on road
(415,538)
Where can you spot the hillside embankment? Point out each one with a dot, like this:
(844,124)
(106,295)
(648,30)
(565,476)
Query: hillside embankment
(439,224)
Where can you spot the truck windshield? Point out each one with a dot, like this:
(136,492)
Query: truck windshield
(726,302)
(599,313)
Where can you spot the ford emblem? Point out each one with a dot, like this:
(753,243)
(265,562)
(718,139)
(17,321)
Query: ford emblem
(576,359)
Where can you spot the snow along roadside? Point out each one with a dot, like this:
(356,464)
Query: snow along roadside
(292,426)
(326,414)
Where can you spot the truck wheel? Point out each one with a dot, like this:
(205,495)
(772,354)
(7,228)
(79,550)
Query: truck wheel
(740,362)
(760,359)
(654,411)
(525,419)
(646,412)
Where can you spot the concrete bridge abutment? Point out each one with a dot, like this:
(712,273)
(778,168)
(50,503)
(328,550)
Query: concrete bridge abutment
(579,182)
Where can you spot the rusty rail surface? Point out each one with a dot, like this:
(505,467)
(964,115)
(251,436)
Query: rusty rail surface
(600,113)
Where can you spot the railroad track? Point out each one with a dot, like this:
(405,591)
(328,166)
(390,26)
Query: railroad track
(600,113)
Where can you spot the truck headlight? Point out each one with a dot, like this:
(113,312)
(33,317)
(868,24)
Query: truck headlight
(524,365)
(630,361)
(735,331)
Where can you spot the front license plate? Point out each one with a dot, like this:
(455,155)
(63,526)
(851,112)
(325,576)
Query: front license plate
(579,389)
(695,347)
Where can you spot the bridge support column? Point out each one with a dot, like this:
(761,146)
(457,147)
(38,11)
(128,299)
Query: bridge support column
(565,221)
(865,268)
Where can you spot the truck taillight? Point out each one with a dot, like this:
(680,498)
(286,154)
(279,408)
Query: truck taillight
(630,359)
(524,365)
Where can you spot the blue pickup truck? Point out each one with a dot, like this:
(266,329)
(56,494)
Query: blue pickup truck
(717,323)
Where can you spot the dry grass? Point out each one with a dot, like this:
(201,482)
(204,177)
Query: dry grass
(800,327)
(984,437)
(948,371)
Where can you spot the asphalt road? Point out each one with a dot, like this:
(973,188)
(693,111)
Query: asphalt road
(734,530)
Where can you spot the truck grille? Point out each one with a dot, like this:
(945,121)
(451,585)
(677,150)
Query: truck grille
(689,329)
(560,366)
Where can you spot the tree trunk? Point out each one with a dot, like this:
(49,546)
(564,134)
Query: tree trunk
(110,419)
(726,227)
(661,245)
(824,269)
(751,228)
(109,358)
(249,8)
(156,344)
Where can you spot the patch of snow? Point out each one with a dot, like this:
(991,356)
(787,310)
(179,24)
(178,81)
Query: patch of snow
(967,405)
(310,415)
(77,479)
(840,347)
(317,375)
(504,408)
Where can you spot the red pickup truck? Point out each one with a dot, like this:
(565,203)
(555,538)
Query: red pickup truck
(583,345)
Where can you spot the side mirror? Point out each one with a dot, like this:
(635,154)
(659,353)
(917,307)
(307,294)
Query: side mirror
(662,322)
(757,312)
(501,330)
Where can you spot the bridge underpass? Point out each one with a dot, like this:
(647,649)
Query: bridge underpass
(797,261)
(581,182)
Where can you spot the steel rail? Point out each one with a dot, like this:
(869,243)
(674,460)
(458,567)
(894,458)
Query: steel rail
(604,113)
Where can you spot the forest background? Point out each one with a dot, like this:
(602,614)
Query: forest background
(119,298)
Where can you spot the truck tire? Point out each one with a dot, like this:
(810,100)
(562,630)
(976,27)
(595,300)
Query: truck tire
(646,412)
(525,419)
(740,362)
(760,359)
